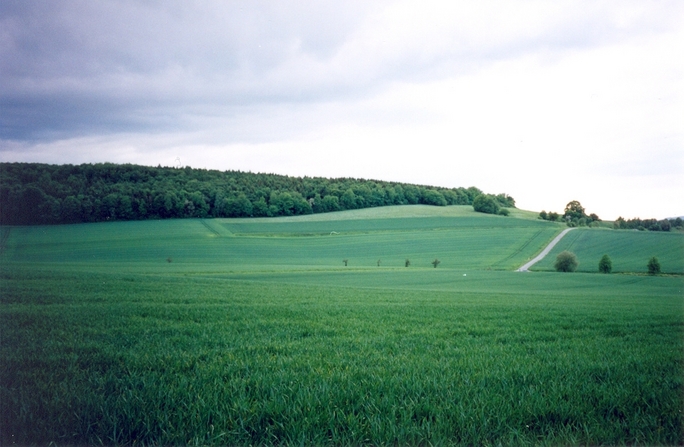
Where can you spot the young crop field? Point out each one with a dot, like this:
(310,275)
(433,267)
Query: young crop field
(629,250)
(239,332)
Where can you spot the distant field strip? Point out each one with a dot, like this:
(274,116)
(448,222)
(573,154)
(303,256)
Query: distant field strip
(458,243)
(265,227)
(628,250)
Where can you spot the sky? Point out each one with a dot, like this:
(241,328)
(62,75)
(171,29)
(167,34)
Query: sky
(546,101)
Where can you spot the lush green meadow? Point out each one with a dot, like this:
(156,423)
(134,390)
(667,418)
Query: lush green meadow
(255,333)
(464,240)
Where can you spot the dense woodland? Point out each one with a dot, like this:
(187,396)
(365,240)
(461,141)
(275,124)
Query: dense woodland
(32,193)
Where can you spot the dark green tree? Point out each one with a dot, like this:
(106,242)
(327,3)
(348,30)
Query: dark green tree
(436,262)
(484,203)
(605,264)
(574,211)
(432,197)
(566,262)
(653,266)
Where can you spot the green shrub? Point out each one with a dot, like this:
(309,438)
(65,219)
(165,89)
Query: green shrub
(566,262)
(484,203)
(605,264)
(653,266)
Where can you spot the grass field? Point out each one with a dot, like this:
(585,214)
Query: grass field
(629,250)
(256,333)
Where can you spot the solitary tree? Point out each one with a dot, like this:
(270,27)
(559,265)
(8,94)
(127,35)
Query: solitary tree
(379,262)
(605,264)
(574,210)
(653,266)
(407,263)
(345,262)
(436,262)
(566,262)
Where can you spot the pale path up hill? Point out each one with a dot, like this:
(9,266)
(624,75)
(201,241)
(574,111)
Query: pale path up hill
(545,252)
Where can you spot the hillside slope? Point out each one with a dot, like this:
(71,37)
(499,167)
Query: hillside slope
(459,237)
(629,250)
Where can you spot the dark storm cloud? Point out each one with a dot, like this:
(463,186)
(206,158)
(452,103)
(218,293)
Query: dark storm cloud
(82,67)
(99,66)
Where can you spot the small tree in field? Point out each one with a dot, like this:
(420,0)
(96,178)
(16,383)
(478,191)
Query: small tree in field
(566,262)
(379,261)
(345,262)
(653,266)
(436,262)
(407,263)
(605,264)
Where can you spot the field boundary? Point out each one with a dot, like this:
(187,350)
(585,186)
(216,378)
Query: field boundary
(542,255)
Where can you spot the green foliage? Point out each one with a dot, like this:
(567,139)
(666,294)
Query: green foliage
(605,264)
(575,215)
(436,262)
(485,203)
(646,224)
(432,197)
(574,211)
(505,200)
(566,262)
(47,194)
(653,266)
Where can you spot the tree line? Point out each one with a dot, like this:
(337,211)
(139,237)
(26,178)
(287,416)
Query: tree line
(575,216)
(35,193)
(647,224)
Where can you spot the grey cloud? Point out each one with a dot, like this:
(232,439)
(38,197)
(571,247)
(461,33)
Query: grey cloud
(80,67)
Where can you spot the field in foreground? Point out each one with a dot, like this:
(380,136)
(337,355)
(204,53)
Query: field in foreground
(104,341)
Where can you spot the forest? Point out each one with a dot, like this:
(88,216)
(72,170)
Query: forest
(36,193)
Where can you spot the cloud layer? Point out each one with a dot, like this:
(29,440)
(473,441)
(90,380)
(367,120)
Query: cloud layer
(488,93)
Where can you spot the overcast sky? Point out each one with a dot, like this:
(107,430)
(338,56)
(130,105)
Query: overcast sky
(548,101)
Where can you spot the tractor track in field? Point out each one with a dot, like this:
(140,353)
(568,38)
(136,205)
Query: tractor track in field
(4,236)
(542,255)
(210,228)
(519,249)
